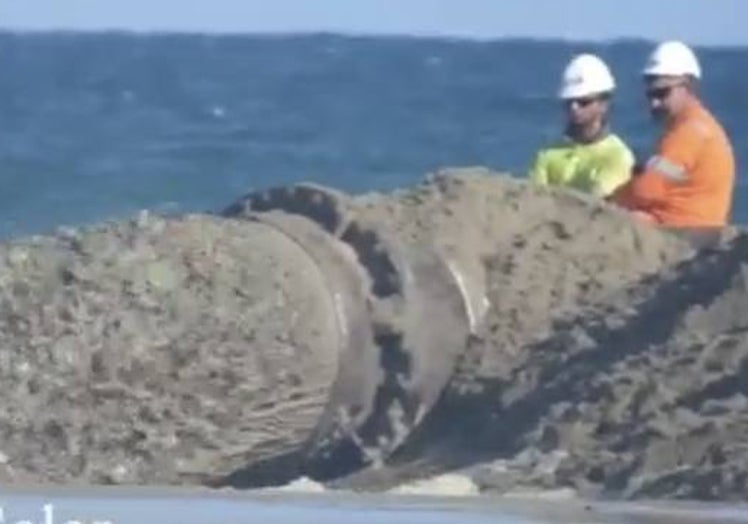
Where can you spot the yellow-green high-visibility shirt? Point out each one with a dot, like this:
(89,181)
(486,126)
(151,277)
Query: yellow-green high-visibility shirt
(598,167)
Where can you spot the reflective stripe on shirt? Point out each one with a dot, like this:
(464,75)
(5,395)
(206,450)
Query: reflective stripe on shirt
(665,167)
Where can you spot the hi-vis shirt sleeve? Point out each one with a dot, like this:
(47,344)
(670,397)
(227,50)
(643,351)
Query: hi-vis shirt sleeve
(616,171)
(671,165)
(539,170)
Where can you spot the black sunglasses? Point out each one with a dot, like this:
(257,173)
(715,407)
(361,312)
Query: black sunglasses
(660,93)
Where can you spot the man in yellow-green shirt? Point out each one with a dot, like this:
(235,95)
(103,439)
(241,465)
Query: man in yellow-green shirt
(589,157)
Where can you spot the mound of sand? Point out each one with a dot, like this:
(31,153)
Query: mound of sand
(535,254)
(611,355)
(644,396)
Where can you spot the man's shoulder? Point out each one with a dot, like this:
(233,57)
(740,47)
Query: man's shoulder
(616,145)
(614,140)
(700,123)
(555,148)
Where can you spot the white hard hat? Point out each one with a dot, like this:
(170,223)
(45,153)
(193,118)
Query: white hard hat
(672,58)
(586,75)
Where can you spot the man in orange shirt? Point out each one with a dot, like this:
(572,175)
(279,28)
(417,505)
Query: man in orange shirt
(689,182)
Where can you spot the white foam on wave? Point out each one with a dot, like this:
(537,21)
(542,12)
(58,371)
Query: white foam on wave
(448,485)
(302,485)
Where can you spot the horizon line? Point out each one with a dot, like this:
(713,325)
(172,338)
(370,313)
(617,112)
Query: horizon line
(352,34)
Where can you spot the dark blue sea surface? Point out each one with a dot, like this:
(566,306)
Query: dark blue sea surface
(97,126)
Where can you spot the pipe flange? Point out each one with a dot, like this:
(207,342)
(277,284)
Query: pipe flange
(421,325)
(326,207)
(352,397)
(417,312)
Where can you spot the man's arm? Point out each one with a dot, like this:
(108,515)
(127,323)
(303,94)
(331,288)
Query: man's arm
(671,165)
(616,171)
(539,170)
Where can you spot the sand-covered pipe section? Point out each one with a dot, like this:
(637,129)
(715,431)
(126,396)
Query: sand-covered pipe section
(159,351)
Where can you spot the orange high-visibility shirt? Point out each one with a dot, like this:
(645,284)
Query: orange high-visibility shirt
(690,181)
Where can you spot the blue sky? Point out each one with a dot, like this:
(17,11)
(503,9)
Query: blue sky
(719,22)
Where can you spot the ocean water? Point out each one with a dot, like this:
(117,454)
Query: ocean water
(98,126)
